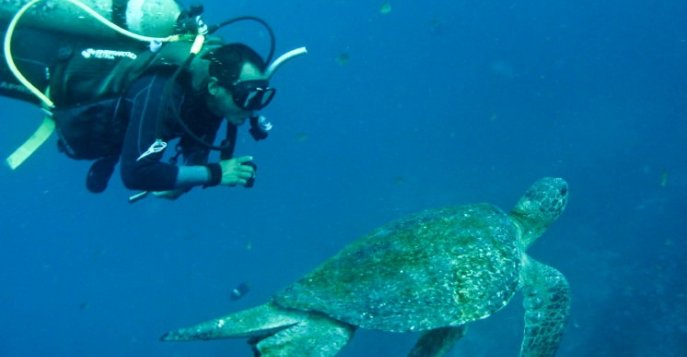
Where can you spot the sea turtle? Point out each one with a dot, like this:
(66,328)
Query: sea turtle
(434,271)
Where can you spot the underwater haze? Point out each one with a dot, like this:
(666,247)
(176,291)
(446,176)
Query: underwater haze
(399,106)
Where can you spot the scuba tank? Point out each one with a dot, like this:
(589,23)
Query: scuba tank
(150,17)
(49,31)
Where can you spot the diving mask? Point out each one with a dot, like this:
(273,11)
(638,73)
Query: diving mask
(252,95)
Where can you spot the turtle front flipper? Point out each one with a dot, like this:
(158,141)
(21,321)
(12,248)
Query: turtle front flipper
(273,331)
(547,306)
(437,342)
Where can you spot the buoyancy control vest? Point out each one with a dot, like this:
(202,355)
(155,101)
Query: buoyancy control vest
(87,87)
(87,74)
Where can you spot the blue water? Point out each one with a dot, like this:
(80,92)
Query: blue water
(439,103)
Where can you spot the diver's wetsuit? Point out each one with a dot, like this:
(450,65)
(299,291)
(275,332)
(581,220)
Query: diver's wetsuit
(142,102)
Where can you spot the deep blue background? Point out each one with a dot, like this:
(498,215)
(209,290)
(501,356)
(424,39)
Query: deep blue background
(440,103)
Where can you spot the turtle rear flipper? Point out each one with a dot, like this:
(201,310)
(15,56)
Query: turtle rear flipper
(262,320)
(437,342)
(273,331)
(547,306)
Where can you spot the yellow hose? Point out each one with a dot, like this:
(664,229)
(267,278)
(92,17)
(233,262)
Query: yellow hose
(10,60)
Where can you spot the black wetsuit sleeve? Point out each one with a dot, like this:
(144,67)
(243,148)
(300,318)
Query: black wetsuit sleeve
(145,103)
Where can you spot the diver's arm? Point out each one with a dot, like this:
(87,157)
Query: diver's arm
(196,170)
(232,172)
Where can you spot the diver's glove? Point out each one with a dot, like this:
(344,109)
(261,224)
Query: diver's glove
(232,172)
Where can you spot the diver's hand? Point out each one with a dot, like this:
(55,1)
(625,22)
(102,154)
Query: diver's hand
(236,171)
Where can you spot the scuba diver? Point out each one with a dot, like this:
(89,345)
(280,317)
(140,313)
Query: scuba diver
(234,87)
(125,104)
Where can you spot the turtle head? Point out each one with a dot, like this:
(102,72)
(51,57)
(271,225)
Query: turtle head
(541,205)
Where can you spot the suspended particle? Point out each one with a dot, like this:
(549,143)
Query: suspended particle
(385,8)
(343,58)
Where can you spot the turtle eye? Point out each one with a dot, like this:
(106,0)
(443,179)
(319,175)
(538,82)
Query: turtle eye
(564,191)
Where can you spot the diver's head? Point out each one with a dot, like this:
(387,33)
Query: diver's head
(238,85)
